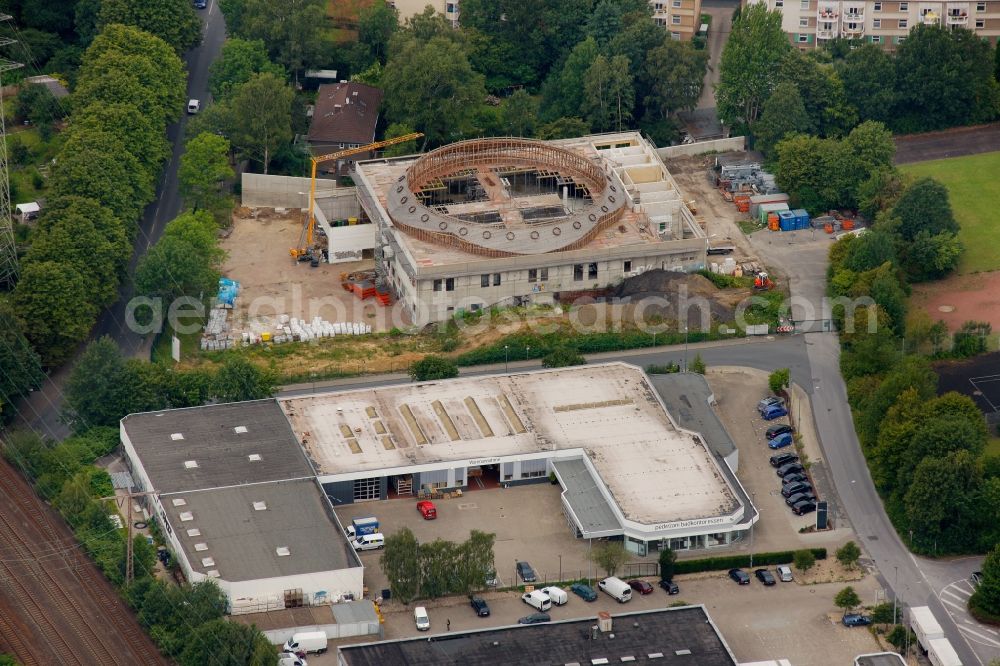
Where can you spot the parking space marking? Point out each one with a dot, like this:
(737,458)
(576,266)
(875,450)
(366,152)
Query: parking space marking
(954,597)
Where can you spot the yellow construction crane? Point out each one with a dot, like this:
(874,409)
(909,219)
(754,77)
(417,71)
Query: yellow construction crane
(306,237)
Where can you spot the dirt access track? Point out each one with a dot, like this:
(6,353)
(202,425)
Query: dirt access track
(55,606)
(954,142)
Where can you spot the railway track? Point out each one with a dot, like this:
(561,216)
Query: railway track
(90,641)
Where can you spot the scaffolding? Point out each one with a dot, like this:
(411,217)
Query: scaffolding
(8,249)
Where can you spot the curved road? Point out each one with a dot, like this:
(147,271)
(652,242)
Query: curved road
(42,411)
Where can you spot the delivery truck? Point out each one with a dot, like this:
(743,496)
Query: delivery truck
(362,526)
(925,625)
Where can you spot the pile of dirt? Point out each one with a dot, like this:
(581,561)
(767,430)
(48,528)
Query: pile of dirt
(665,293)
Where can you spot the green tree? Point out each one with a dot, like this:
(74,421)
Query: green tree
(778,380)
(674,77)
(203,168)
(749,66)
(562,93)
(184,262)
(847,599)
(930,256)
(400,562)
(608,95)
(869,78)
(562,357)
(125,124)
(432,86)
(610,556)
(563,128)
(985,600)
(473,560)
(238,380)
(879,191)
(848,555)
(259,116)
(376,26)
(872,146)
(783,114)
(924,206)
(22,369)
(822,93)
(899,637)
(970,338)
(433,367)
(292,31)
(910,372)
(437,564)
(519,114)
(239,61)
(244,644)
(51,302)
(407,147)
(804,560)
(605,22)
(667,561)
(697,365)
(35,103)
(99,390)
(870,251)
(941,505)
(173,21)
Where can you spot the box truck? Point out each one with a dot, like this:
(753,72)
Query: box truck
(925,625)
(307,641)
(362,526)
(941,653)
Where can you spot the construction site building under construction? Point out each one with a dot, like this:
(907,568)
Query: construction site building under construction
(508,221)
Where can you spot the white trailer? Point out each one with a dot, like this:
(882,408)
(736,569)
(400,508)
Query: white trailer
(925,625)
(941,653)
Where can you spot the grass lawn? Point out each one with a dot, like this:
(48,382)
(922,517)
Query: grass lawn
(993,446)
(971,182)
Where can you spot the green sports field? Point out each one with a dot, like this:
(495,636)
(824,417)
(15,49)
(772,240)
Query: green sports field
(974,186)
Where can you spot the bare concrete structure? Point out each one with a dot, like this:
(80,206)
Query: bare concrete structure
(509,221)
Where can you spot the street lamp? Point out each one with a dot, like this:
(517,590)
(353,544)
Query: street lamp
(753,501)
(895,592)
(685,348)
(527,351)
(506,358)
(560,567)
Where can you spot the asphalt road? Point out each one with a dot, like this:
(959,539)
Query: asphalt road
(41,412)
(954,142)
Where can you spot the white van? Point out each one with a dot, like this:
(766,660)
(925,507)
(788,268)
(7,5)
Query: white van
(422,620)
(306,641)
(194,106)
(556,594)
(537,600)
(290,659)
(617,588)
(369,541)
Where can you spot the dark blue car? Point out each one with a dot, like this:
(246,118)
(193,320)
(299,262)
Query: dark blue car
(772,412)
(781,441)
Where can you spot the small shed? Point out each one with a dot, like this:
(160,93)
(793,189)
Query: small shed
(27,211)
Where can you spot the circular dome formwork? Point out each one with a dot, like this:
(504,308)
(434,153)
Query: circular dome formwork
(500,239)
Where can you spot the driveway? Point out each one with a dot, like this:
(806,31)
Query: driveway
(718,34)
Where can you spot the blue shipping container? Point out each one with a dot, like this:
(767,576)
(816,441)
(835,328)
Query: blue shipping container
(786,220)
(801,218)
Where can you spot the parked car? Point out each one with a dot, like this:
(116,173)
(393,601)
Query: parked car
(557,595)
(422,620)
(804,507)
(534,618)
(798,497)
(526,573)
(670,587)
(785,573)
(768,401)
(776,430)
(200,4)
(781,441)
(641,586)
(291,659)
(976,577)
(774,412)
(764,576)
(789,468)
(740,576)
(790,489)
(427,509)
(194,106)
(480,606)
(537,600)
(584,591)
(856,620)
(779,459)
(794,478)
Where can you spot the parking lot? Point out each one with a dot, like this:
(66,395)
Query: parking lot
(528,522)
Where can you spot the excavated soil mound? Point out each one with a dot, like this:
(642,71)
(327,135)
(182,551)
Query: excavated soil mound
(666,293)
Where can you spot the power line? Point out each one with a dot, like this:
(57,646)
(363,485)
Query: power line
(8,250)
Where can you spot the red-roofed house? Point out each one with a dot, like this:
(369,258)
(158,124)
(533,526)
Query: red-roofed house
(345,116)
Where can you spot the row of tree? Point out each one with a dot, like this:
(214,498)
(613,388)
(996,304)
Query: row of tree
(435,569)
(103,386)
(187,621)
(130,85)
(937,78)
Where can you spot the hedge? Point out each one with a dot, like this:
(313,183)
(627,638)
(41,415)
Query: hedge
(737,561)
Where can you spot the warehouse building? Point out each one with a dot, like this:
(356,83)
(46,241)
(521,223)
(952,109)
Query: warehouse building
(684,635)
(626,467)
(507,221)
(238,503)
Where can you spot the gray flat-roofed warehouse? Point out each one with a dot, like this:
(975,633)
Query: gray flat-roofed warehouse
(287,515)
(670,636)
(688,398)
(216,446)
(585,500)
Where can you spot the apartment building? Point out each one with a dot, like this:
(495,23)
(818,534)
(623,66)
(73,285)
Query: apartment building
(682,18)
(408,8)
(810,23)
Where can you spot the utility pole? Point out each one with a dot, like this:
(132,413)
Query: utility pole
(8,251)
(895,593)
(129,565)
